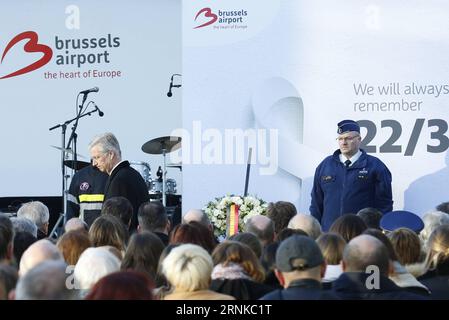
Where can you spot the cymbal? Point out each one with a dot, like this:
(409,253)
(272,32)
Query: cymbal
(69,151)
(156,146)
(79,164)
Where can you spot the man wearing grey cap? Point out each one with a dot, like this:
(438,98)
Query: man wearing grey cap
(349,180)
(299,268)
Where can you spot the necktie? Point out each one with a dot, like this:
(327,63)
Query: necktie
(347,163)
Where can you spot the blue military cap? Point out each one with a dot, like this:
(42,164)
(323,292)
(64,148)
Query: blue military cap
(347,126)
(401,219)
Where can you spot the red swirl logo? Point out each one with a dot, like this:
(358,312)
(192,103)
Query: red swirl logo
(31,46)
(208,14)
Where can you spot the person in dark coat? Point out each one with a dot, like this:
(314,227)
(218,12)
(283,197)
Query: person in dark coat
(86,194)
(123,180)
(349,180)
(366,266)
(237,272)
(300,266)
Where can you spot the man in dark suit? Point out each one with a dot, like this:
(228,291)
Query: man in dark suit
(366,267)
(123,180)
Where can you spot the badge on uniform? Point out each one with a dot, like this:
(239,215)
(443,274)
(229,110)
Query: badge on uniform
(326,178)
(363,174)
(84,186)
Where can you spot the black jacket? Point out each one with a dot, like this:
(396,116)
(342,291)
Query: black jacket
(241,289)
(353,286)
(301,289)
(86,194)
(127,182)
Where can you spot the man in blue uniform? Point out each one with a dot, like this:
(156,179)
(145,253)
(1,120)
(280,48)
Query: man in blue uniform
(349,180)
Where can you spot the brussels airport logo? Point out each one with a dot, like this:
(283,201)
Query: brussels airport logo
(70,52)
(221,19)
(31,46)
(209,15)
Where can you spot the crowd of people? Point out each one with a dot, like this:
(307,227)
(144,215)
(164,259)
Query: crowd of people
(118,244)
(283,255)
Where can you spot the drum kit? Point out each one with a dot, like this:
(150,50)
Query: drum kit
(163,145)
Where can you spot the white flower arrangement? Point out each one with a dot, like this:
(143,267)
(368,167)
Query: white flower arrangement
(217,210)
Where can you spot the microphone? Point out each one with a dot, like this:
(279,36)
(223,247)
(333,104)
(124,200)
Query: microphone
(94,89)
(100,113)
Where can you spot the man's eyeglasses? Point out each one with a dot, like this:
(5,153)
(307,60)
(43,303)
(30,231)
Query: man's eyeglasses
(349,139)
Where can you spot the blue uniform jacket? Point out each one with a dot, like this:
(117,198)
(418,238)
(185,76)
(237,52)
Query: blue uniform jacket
(338,190)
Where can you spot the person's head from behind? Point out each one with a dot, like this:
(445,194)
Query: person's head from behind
(280,213)
(231,252)
(382,237)
(287,233)
(331,246)
(76,224)
(366,251)
(22,224)
(37,212)
(307,223)
(371,217)
(6,238)
(250,240)
(142,253)
(38,252)
(197,215)
(188,268)
(262,227)
(22,241)
(108,230)
(92,265)
(152,216)
(348,226)
(349,139)
(407,245)
(432,220)
(193,232)
(123,285)
(105,152)
(299,257)
(72,244)
(438,248)
(120,207)
(46,281)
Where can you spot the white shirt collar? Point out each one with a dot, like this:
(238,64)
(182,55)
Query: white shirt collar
(116,166)
(353,159)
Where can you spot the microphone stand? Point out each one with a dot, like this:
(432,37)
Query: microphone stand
(64,150)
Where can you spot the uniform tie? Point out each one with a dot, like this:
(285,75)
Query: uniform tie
(347,163)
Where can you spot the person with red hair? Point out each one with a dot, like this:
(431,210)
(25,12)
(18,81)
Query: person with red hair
(122,285)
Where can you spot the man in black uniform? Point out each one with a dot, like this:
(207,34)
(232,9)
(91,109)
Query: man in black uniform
(86,194)
(123,180)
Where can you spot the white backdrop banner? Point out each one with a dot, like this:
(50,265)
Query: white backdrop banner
(284,73)
(52,50)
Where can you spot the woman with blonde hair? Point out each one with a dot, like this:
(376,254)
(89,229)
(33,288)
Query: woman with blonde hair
(437,261)
(188,268)
(238,272)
